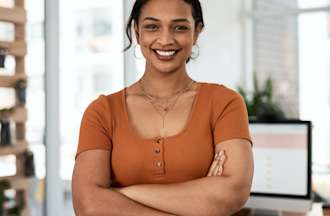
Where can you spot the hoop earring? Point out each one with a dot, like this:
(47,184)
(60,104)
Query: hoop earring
(137,50)
(195,51)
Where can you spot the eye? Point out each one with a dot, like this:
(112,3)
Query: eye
(151,27)
(180,28)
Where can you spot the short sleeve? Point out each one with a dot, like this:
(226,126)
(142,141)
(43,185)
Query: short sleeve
(95,128)
(230,117)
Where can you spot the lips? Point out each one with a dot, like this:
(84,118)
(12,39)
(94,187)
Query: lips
(165,55)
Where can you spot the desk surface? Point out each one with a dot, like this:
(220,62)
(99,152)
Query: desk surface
(316,211)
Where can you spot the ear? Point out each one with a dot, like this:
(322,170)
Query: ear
(136,31)
(198,30)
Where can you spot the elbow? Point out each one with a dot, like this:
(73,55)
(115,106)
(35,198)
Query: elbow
(82,206)
(238,201)
(89,211)
(231,203)
(85,207)
(239,204)
(83,203)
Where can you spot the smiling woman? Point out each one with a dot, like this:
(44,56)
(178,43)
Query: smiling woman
(167,144)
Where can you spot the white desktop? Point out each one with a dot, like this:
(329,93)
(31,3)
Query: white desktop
(282,167)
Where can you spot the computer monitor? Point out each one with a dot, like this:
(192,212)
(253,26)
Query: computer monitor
(282,167)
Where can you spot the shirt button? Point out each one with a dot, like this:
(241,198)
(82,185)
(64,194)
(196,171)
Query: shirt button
(157,151)
(159,163)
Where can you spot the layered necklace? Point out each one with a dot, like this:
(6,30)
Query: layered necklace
(163,110)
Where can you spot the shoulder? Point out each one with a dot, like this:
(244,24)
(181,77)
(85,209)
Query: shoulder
(104,103)
(100,104)
(222,94)
(106,100)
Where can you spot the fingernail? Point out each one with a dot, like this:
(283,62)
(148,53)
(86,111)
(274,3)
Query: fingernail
(219,170)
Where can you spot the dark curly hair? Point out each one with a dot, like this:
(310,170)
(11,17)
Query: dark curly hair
(197,14)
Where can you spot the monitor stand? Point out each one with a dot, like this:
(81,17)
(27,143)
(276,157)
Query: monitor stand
(259,212)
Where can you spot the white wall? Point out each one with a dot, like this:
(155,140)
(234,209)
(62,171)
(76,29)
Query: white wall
(220,44)
(130,71)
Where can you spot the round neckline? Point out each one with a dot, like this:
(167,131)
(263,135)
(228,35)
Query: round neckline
(188,123)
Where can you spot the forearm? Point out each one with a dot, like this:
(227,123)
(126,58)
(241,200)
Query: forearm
(204,196)
(107,202)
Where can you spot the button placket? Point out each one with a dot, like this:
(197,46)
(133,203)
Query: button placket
(158,156)
(157,150)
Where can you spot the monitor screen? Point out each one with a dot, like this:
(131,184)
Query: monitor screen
(281,158)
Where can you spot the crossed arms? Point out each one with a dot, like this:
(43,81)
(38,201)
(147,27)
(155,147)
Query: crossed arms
(222,192)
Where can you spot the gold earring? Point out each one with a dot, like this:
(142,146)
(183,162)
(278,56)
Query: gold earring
(137,48)
(195,51)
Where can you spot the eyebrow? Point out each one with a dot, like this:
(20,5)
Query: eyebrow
(175,20)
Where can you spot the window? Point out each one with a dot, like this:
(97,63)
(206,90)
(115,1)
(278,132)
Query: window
(291,44)
(91,64)
(314,63)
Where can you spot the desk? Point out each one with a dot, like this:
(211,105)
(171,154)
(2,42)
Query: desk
(316,211)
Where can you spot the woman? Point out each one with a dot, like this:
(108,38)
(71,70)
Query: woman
(158,147)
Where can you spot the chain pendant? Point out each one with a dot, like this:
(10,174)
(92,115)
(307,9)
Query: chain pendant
(162,131)
(160,109)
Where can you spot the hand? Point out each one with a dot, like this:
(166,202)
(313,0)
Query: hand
(216,167)
(119,190)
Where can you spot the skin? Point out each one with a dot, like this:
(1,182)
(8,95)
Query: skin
(169,25)
(219,195)
(165,25)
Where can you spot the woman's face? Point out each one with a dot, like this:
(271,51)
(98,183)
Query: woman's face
(166,33)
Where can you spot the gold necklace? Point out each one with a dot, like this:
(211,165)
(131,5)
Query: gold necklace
(168,107)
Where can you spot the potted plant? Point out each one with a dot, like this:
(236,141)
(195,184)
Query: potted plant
(10,210)
(260,104)
(4,185)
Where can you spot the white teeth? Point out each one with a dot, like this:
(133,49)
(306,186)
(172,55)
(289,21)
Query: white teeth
(165,53)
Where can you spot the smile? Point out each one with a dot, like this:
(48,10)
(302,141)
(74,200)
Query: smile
(165,54)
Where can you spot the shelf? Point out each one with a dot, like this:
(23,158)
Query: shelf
(18,148)
(18,182)
(15,15)
(10,81)
(19,115)
(17,48)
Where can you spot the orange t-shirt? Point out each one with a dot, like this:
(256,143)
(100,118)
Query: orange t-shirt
(218,114)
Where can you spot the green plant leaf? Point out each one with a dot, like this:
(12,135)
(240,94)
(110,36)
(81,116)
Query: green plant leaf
(268,89)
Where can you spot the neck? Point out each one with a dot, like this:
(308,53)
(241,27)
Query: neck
(165,84)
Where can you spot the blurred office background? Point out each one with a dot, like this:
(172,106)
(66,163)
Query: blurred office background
(287,40)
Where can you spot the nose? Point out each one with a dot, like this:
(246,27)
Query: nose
(166,37)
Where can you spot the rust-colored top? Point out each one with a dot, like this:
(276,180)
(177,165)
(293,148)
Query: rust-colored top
(218,114)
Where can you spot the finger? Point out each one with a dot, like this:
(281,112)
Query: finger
(222,159)
(212,168)
(220,170)
(220,162)
(221,166)
(213,165)
(213,172)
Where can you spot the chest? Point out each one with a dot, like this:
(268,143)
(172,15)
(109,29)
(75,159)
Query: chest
(178,158)
(141,155)
(148,119)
